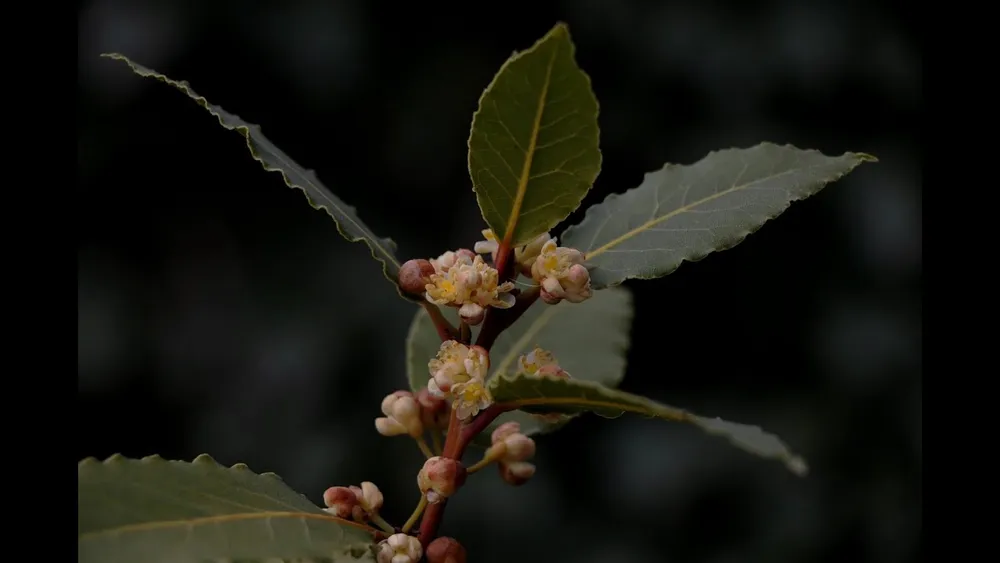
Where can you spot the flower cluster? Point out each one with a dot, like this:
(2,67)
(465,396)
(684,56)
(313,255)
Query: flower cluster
(357,503)
(561,273)
(512,450)
(464,280)
(459,373)
(524,256)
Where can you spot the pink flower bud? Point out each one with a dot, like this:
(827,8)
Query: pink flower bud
(440,477)
(445,550)
(340,501)
(516,473)
(414,276)
(434,411)
(504,430)
(472,313)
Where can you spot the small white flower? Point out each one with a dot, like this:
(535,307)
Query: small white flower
(540,362)
(400,548)
(561,273)
(456,363)
(402,415)
(444,262)
(470,397)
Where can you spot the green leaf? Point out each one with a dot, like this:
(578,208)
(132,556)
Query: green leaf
(687,212)
(547,394)
(589,340)
(533,149)
(153,510)
(274,159)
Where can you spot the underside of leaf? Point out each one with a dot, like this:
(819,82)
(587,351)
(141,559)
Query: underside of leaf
(554,394)
(684,213)
(274,159)
(153,510)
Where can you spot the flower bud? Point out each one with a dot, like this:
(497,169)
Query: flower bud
(402,415)
(369,497)
(472,313)
(510,445)
(434,412)
(445,550)
(440,477)
(414,276)
(399,548)
(516,473)
(340,502)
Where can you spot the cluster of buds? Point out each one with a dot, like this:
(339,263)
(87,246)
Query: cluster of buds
(458,279)
(561,273)
(512,450)
(524,256)
(409,414)
(459,373)
(440,477)
(400,548)
(356,503)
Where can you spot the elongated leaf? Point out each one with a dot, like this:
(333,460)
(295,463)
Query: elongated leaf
(274,159)
(574,396)
(153,510)
(589,340)
(686,212)
(533,149)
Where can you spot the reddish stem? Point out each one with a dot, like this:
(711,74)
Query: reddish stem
(444,328)
(499,320)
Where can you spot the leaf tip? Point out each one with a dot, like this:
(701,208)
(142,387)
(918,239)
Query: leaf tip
(864,157)
(798,466)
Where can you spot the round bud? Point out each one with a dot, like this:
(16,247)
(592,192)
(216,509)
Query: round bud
(414,276)
(340,501)
(440,477)
(445,550)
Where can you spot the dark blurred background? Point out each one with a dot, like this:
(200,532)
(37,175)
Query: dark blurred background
(219,313)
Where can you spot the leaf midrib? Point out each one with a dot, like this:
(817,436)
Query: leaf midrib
(683,209)
(671,414)
(522,185)
(148,526)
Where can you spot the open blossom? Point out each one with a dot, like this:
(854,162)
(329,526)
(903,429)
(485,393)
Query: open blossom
(470,397)
(469,284)
(524,256)
(561,273)
(456,363)
(540,362)
(444,262)
(402,415)
(400,548)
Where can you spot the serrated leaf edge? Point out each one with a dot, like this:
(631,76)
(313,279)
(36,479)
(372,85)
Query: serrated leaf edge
(372,243)
(725,245)
(205,459)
